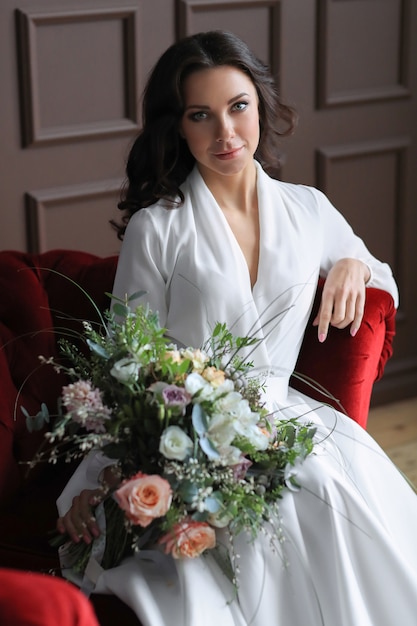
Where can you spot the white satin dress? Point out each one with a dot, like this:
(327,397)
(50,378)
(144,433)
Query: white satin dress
(349,551)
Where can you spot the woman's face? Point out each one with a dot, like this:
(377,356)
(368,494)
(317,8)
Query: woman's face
(221,120)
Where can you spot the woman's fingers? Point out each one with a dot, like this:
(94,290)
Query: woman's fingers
(343,298)
(79,522)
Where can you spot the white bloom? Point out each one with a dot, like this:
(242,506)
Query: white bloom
(229,455)
(175,443)
(257,437)
(195,383)
(126,370)
(196,356)
(221,429)
(231,403)
(225,388)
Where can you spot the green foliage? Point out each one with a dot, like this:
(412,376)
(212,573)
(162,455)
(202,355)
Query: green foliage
(134,386)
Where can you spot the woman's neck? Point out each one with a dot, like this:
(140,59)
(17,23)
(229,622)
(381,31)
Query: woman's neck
(236,192)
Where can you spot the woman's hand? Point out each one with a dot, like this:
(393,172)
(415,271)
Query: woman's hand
(343,298)
(79,522)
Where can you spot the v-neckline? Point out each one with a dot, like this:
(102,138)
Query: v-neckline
(232,235)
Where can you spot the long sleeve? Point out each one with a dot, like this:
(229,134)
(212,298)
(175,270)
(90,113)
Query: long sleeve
(139,265)
(339,241)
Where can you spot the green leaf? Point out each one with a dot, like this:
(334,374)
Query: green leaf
(188,491)
(121,309)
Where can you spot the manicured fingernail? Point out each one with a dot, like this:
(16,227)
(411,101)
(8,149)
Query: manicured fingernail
(322,337)
(353,331)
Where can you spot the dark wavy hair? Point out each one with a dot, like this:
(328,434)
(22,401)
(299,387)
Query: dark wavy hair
(159,160)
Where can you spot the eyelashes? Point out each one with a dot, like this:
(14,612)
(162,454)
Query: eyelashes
(200,116)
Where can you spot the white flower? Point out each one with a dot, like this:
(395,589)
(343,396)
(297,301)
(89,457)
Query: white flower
(221,429)
(175,443)
(229,455)
(194,383)
(126,370)
(257,437)
(231,402)
(196,356)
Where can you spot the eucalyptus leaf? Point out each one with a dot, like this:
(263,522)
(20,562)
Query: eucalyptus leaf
(137,295)
(121,309)
(209,448)
(38,421)
(97,349)
(212,504)
(199,419)
(188,491)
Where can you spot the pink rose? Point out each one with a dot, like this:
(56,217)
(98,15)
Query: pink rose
(175,396)
(144,498)
(189,539)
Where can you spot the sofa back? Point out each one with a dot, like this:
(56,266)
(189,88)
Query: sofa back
(41,300)
(44,296)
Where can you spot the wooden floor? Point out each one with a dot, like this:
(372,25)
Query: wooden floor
(394,426)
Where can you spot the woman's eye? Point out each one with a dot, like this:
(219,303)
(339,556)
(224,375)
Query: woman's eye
(240,106)
(198,116)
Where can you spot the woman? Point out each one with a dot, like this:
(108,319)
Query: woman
(211,237)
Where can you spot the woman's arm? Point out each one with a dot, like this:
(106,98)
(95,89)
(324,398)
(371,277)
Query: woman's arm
(348,268)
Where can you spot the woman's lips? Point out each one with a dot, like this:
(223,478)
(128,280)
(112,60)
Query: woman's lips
(229,154)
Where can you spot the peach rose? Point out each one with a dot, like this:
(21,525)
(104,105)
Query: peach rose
(144,498)
(214,376)
(189,539)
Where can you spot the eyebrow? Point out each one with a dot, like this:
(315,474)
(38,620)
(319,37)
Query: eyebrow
(206,108)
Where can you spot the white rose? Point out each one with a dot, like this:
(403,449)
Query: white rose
(175,443)
(257,437)
(229,403)
(221,429)
(125,370)
(194,383)
(230,455)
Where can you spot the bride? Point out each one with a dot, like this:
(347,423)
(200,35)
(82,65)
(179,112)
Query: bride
(211,236)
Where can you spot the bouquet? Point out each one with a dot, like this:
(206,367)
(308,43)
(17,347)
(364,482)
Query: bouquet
(194,445)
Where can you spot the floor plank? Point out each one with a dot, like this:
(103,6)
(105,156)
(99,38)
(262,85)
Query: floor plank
(394,426)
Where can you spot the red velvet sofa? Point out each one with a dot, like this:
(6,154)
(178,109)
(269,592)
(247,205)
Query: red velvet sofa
(37,305)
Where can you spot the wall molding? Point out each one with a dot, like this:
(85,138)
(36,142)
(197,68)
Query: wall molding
(34,132)
(189,9)
(326,98)
(38,203)
(327,156)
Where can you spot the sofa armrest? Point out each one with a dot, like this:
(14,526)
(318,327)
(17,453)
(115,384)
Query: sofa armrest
(347,367)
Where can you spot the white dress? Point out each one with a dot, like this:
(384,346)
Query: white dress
(349,555)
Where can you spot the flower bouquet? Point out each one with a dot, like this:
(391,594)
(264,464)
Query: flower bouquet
(194,445)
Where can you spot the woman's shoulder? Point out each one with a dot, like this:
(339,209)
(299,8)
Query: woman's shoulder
(158,215)
(298,191)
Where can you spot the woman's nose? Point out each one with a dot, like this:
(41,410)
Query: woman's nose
(225,129)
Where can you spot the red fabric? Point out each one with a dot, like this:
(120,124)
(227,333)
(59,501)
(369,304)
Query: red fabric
(28,599)
(347,367)
(37,306)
